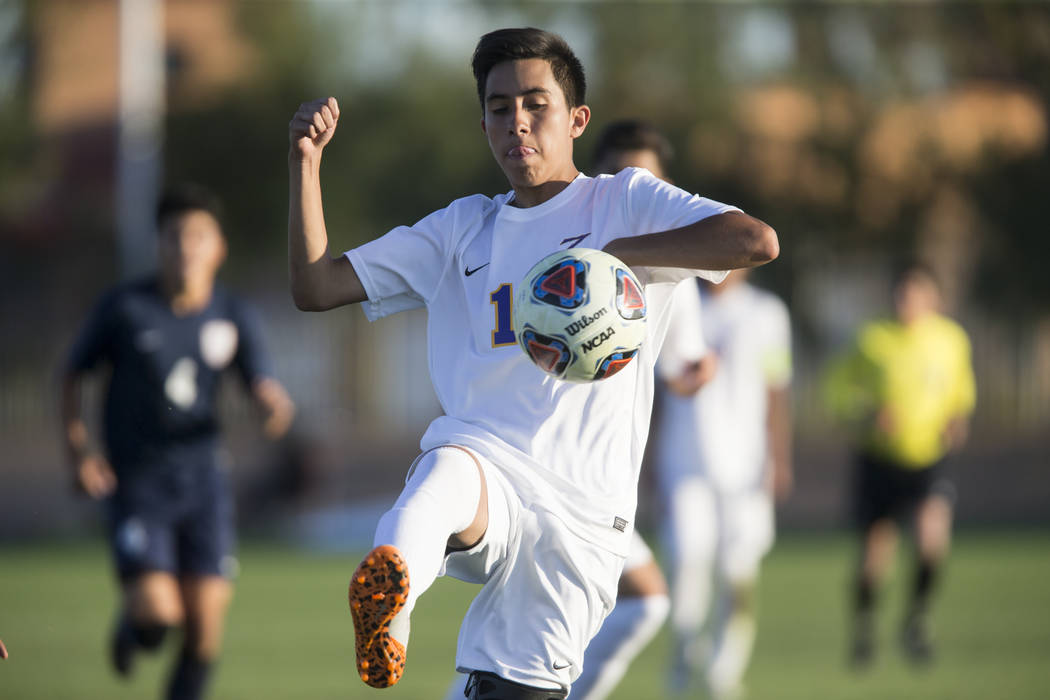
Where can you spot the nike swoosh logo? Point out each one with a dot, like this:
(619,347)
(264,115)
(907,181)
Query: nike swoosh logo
(560,667)
(468,272)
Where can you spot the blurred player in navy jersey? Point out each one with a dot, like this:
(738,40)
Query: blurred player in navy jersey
(166,340)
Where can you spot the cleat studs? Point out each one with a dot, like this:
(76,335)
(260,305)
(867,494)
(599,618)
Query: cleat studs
(360,579)
(364,665)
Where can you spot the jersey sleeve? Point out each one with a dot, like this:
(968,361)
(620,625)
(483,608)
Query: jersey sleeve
(684,343)
(252,360)
(965,398)
(94,342)
(653,205)
(401,270)
(850,383)
(776,353)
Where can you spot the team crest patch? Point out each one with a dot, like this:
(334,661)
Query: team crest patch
(218,342)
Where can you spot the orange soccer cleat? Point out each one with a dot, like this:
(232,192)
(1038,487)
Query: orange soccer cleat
(378,591)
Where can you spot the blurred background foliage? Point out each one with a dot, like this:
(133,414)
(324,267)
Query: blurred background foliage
(885,127)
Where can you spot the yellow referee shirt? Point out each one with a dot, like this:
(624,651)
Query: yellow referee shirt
(920,374)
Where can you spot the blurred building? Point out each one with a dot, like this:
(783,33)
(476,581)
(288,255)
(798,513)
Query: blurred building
(74,79)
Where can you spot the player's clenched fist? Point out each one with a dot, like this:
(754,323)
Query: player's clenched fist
(312,126)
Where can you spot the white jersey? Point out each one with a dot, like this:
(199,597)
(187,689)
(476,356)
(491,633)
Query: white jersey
(574,449)
(721,431)
(684,343)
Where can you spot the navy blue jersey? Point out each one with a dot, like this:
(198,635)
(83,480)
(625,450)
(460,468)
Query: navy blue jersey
(166,369)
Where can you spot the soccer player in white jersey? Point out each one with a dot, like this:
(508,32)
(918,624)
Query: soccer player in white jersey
(526,484)
(722,454)
(642,602)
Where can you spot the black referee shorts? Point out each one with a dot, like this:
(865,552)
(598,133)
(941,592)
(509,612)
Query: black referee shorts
(883,488)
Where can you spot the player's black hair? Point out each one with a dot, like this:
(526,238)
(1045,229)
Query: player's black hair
(519,44)
(633,135)
(184,198)
(909,269)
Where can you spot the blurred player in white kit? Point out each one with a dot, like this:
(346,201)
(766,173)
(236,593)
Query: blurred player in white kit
(722,455)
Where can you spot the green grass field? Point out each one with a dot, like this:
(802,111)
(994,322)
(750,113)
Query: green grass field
(290,634)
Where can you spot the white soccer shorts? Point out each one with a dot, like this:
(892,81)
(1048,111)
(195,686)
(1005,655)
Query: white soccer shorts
(729,531)
(545,592)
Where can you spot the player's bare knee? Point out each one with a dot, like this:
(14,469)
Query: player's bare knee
(204,643)
(644,580)
(154,600)
(742,596)
(203,634)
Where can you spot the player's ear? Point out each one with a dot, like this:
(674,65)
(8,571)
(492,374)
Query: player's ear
(483,129)
(581,117)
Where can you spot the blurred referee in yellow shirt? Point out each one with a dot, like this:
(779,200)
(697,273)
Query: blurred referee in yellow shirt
(907,387)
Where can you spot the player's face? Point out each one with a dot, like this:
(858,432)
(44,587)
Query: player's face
(530,126)
(915,297)
(615,161)
(191,249)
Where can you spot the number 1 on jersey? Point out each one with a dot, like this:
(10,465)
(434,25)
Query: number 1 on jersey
(503,334)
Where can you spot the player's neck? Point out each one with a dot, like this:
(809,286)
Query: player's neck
(526,196)
(189,298)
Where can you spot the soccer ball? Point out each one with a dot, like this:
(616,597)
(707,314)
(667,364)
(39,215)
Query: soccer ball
(580,315)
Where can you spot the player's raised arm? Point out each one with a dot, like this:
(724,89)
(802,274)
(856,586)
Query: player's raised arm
(318,281)
(726,241)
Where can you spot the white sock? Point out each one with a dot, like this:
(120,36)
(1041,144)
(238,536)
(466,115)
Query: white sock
(628,628)
(734,640)
(691,532)
(440,499)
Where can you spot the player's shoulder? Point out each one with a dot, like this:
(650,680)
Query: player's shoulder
(476,202)
(473,207)
(222,297)
(232,304)
(949,328)
(122,295)
(878,334)
(462,215)
(624,178)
